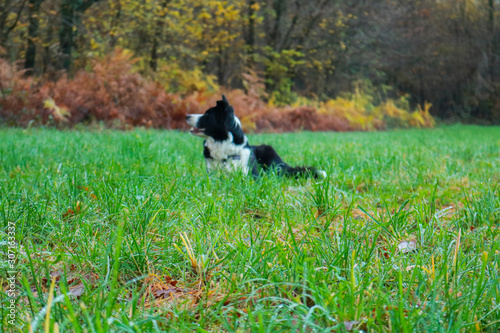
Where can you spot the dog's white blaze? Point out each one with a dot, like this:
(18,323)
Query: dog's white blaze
(193,119)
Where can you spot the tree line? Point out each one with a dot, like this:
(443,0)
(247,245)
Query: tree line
(445,52)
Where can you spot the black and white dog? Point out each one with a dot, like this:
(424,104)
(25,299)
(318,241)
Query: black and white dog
(226,146)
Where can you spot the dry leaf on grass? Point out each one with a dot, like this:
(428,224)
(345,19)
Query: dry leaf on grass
(166,290)
(349,325)
(77,290)
(75,280)
(407,246)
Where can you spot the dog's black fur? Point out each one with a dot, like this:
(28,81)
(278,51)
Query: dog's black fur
(268,158)
(226,146)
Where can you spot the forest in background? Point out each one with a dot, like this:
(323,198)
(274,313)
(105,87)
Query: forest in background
(285,64)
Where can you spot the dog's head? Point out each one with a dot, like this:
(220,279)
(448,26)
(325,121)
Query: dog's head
(217,122)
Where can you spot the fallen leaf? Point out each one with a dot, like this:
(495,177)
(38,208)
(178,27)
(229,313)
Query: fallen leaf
(361,187)
(170,281)
(170,292)
(349,325)
(69,212)
(77,290)
(53,274)
(409,268)
(385,252)
(319,213)
(406,247)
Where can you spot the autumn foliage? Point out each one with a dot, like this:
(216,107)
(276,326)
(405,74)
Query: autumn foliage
(114,94)
(110,93)
(440,52)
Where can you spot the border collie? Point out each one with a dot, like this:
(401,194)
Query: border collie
(226,146)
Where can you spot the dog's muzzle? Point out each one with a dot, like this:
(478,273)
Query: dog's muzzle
(192,120)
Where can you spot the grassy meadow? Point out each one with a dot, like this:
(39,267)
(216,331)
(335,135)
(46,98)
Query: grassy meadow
(124,232)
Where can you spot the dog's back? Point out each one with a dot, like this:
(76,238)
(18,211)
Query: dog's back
(268,159)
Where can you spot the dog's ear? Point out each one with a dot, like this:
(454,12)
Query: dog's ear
(223,103)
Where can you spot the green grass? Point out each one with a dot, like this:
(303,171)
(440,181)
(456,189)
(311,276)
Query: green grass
(118,217)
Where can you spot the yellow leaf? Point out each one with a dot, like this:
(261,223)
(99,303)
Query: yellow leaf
(255,7)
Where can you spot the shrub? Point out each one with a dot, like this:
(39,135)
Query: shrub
(113,93)
(18,96)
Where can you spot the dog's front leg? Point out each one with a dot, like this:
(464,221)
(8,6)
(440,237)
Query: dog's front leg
(211,165)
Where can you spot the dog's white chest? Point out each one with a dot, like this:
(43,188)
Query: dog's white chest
(222,150)
(227,155)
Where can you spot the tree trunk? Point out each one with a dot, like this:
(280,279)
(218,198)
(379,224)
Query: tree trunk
(492,48)
(153,62)
(69,11)
(251,33)
(114,24)
(66,32)
(34,10)
(220,68)
(4,13)
(46,60)
(275,33)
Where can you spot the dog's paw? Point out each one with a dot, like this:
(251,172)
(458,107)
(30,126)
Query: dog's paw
(321,174)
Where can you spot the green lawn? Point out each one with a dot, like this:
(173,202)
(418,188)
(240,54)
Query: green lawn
(403,236)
